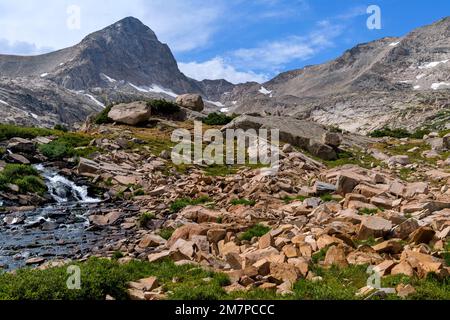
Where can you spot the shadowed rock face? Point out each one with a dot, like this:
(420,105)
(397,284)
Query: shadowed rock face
(127,50)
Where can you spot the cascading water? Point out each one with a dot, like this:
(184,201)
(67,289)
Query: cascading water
(57,231)
(62,189)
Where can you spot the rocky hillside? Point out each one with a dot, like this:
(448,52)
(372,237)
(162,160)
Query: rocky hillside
(308,232)
(403,82)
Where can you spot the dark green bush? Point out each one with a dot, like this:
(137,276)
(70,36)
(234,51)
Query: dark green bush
(387,132)
(102,117)
(218,119)
(60,127)
(163,107)
(399,133)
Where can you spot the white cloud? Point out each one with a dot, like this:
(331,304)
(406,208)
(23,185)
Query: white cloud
(20,47)
(273,55)
(217,68)
(184,25)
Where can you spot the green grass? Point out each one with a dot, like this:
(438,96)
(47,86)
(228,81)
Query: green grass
(256,231)
(356,157)
(405,173)
(10,131)
(25,177)
(101,277)
(430,288)
(166,233)
(337,284)
(367,211)
(320,255)
(65,146)
(325,198)
(369,242)
(244,202)
(220,170)
(288,200)
(180,204)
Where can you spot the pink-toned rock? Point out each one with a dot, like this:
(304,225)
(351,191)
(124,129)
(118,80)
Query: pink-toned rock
(336,256)
(186,232)
(403,268)
(373,226)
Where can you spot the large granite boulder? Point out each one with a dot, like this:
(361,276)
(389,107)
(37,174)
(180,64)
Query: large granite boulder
(191,101)
(304,134)
(131,113)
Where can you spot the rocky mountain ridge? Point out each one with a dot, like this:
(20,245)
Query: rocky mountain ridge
(400,82)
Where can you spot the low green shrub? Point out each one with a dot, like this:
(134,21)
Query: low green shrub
(218,119)
(166,233)
(102,117)
(180,204)
(367,211)
(244,202)
(60,127)
(25,177)
(256,231)
(65,146)
(393,133)
(399,133)
(145,218)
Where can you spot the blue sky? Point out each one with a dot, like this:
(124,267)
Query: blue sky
(239,40)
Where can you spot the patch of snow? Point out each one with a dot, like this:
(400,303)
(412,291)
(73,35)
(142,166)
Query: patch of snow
(439,85)
(44,75)
(265,91)
(4,102)
(406,81)
(109,78)
(420,76)
(416,87)
(157,89)
(139,88)
(35,116)
(61,64)
(433,64)
(394,44)
(95,100)
(225,110)
(234,102)
(216,103)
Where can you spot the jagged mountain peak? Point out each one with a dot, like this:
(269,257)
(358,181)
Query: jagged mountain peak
(129,27)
